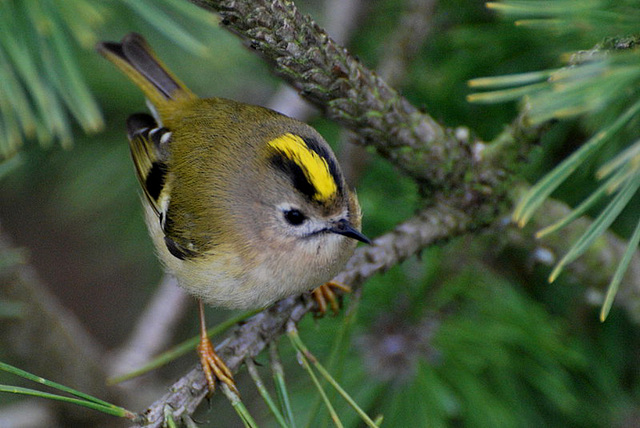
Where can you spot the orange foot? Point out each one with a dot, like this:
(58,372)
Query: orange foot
(212,365)
(326,294)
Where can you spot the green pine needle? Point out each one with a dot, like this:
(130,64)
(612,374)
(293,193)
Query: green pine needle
(192,12)
(596,81)
(545,8)
(581,209)
(338,348)
(26,375)
(169,421)
(84,400)
(543,24)
(629,156)
(594,18)
(281,385)
(503,95)
(303,358)
(257,380)
(166,25)
(619,274)
(599,225)
(306,356)
(511,79)
(541,191)
(42,86)
(110,409)
(239,407)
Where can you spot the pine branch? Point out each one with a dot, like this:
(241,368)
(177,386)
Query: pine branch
(341,21)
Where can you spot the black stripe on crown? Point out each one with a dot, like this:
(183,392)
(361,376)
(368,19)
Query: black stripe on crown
(298,178)
(295,173)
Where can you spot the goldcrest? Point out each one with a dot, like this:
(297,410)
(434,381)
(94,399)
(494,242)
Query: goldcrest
(245,205)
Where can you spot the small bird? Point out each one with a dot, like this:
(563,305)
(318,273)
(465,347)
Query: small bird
(245,206)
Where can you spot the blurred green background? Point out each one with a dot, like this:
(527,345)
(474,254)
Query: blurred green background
(468,334)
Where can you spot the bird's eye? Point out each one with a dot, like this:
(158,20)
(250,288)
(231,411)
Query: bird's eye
(294,217)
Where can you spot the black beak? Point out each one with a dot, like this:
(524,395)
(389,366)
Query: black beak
(343,227)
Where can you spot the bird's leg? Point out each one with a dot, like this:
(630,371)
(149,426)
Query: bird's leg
(212,365)
(325,294)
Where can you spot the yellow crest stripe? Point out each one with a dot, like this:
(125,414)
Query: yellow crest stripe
(314,167)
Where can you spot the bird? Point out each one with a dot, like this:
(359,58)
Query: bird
(245,206)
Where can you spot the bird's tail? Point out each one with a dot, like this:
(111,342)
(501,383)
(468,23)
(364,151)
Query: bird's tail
(137,60)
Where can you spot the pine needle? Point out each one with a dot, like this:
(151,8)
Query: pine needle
(168,419)
(257,380)
(281,385)
(612,290)
(166,25)
(339,346)
(541,191)
(598,227)
(581,209)
(505,94)
(631,154)
(510,79)
(238,406)
(110,409)
(305,357)
(84,400)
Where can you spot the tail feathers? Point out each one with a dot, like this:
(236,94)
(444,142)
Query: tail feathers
(135,58)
